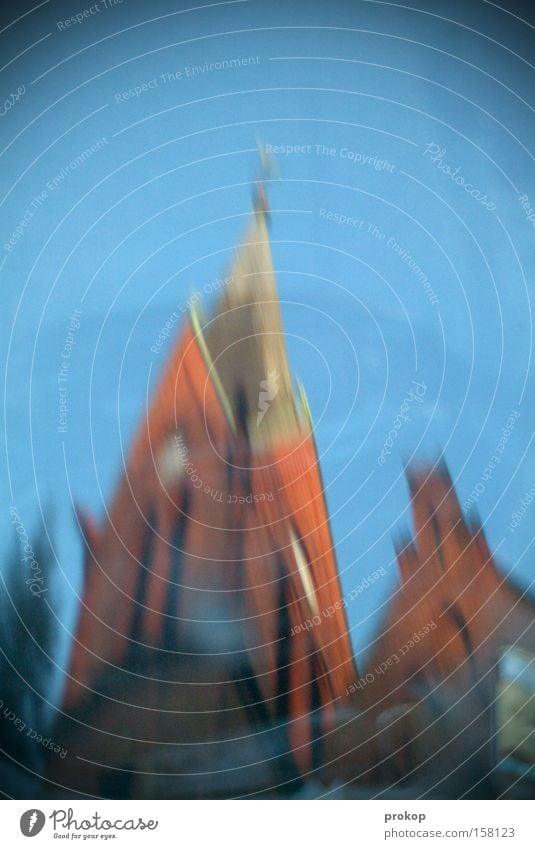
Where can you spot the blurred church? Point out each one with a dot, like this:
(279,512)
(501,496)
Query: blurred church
(212,656)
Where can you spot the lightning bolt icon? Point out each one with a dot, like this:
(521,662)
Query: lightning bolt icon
(33,820)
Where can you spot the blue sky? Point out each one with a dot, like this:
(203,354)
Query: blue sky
(356,93)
